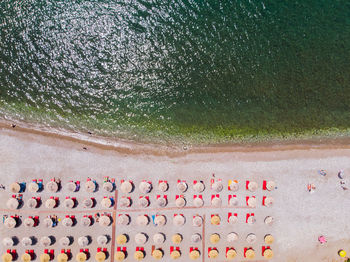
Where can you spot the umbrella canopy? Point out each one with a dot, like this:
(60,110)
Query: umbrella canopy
(234,186)
(7,242)
(231,254)
(270,185)
(269,201)
(232,237)
(123,219)
(214,238)
(33,187)
(71,186)
(194,254)
(213,253)
(252,202)
(251,220)
(217,186)
(32,203)
(104,221)
(119,256)
(268,253)
(195,238)
(215,220)
(268,239)
(233,201)
(67,222)
(180,202)
(199,187)
(216,202)
(100,256)
(48,222)
(145,187)
(10,222)
(250,254)
(102,240)
(12,203)
(50,203)
(175,254)
(90,186)
(52,186)
(251,238)
(158,238)
(179,220)
(198,202)
(44,257)
(143,202)
(268,220)
(63,257)
(108,186)
(162,202)
(163,186)
(83,241)
(139,255)
(45,241)
(252,186)
(232,220)
(26,257)
(7,257)
(85,221)
(160,220)
(68,203)
(88,202)
(122,239)
(15,188)
(126,187)
(197,221)
(157,254)
(106,202)
(125,202)
(176,238)
(81,257)
(64,241)
(141,238)
(26,241)
(29,222)
(182,186)
(142,220)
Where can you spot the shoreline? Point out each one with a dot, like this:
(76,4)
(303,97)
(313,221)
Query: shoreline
(136,148)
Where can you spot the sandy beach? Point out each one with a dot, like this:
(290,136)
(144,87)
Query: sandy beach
(300,216)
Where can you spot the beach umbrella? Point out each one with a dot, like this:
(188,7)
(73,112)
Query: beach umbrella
(163,186)
(141,238)
(102,240)
(104,221)
(108,186)
(45,241)
(26,241)
(182,186)
(52,186)
(81,257)
(180,202)
(106,202)
(123,219)
(199,187)
(7,242)
(158,238)
(214,238)
(68,203)
(233,201)
(231,254)
(12,203)
(251,238)
(122,239)
(15,188)
(67,222)
(216,202)
(64,241)
(126,187)
(232,220)
(160,220)
(197,221)
(179,220)
(176,238)
(252,202)
(268,220)
(198,202)
(270,185)
(268,239)
(7,257)
(145,187)
(10,222)
(162,202)
(269,201)
(251,220)
(88,203)
(194,254)
(143,202)
(71,186)
(119,256)
(85,221)
(83,241)
(142,220)
(213,253)
(268,253)
(250,254)
(62,257)
(50,203)
(90,186)
(232,237)
(157,254)
(48,222)
(217,186)
(252,186)
(234,186)
(32,203)
(33,187)
(28,222)
(26,257)
(195,238)
(215,220)
(139,255)
(100,256)
(44,257)
(175,254)
(125,202)
(342,253)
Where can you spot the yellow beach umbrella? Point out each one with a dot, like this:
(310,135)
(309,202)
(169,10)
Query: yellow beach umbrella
(139,255)
(81,257)
(119,256)
(250,254)
(215,220)
(63,257)
(15,188)
(175,254)
(157,254)
(269,239)
(26,257)
(231,254)
(100,256)
(44,257)
(213,253)
(194,254)
(268,253)
(7,257)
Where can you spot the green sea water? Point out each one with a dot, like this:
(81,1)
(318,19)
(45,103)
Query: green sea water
(188,71)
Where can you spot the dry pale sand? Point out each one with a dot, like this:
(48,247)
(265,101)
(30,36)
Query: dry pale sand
(300,216)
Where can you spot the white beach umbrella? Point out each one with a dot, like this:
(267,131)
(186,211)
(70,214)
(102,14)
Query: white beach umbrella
(102,240)
(45,241)
(142,220)
(26,241)
(64,241)
(216,202)
(198,202)
(126,187)
(196,238)
(232,220)
(12,203)
(233,202)
(269,201)
(88,203)
(28,222)
(47,222)
(125,202)
(10,222)
(7,242)
(104,221)
(158,238)
(145,187)
(234,186)
(106,202)
(268,220)
(251,238)
(83,241)
(143,202)
(108,186)
(179,220)
(270,185)
(251,220)
(33,187)
(90,186)
(160,220)
(232,237)
(32,203)
(71,186)
(123,219)
(141,238)
(197,221)
(85,221)
(50,203)
(180,202)
(252,186)
(252,202)
(67,222)
(52,186)
(182,186)
(15,188)
(199,187)
(163,186)
(217,186)
(68,203)
(162,201)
